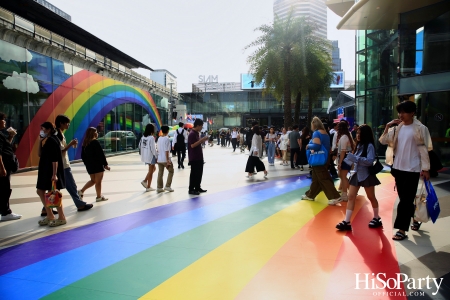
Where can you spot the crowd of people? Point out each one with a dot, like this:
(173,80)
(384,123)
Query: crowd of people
(350,149)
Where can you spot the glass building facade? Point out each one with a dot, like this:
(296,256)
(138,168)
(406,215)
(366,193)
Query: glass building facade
(411,62)
(35,88)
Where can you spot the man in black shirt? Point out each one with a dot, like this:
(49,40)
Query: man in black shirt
(6,164)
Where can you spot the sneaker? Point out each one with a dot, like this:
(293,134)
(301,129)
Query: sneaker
(144,184)
(149,189)
(102,198)
(301,169)
(282,164)
(375,223)
(334,201)
(344,198)
(304,197)
(158,190)
(265,174)
(169,189)
(344,226)
(80,193)
(11,216)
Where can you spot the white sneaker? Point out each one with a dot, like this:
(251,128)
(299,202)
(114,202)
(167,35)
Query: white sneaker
(144,184)
(169,189)
(149,189)
(334,201)
(344,198)
(159,190)
(11,216)
(304,197)
(80,193)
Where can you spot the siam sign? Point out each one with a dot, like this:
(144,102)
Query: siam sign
(210,78)
(216,87)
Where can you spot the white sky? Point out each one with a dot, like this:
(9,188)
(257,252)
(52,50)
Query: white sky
(189,38)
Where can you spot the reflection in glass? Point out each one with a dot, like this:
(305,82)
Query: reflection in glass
(40,67)
(61,71)
(13,58)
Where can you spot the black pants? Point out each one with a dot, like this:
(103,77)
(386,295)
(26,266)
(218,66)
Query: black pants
(234,143)
(254,162)
(195,179)
(406,183)
(222,142)
(5,193)
(332,167)
(181,154)
(293,151)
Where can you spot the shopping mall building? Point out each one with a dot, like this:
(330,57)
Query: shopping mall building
(50,66)
(402,52)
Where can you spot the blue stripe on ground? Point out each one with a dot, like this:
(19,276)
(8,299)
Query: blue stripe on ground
(66,268)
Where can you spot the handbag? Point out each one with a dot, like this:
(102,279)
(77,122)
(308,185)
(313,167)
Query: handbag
(54,197)
(317,158)
(421,211)
(432,202)
(376,168)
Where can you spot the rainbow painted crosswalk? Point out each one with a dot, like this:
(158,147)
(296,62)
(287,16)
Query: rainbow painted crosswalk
(253,242)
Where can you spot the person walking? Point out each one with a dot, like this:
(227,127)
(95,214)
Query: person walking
(270,140)
(62,123)
(211,138)
(294,144)
(51,170)
(228,138)
(234,135)
(223,138)
(321,180)
(409,143)
(7,164)
(253,160)
(345,145)
(362,157)
(242,140)
(149,155)
(304,141)
(195,154)
(284,140)
(179,140)
(164,161)
(95,161)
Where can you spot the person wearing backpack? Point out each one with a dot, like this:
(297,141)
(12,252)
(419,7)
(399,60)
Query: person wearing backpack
(179,140)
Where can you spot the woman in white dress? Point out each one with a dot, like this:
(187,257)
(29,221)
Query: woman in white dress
(284,138)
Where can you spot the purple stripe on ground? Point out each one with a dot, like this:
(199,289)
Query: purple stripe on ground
(25,254)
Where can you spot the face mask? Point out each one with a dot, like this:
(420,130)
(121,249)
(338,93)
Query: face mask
(43,134)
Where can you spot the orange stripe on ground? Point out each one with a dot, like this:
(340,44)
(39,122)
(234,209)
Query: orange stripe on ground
(304,264)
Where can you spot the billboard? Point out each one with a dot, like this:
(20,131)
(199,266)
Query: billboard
(248,83)
(338,80)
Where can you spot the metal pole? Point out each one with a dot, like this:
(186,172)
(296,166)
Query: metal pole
(171,105)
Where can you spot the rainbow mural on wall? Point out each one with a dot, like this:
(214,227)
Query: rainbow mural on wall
(86,98)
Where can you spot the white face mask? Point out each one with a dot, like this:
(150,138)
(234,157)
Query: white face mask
(43,134)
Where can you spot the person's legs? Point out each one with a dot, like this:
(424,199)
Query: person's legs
(352,192)
(161,167)
(169,176)
(194,182)
(292,157)
(149,178)
(332,167)
(271,152)
(98,177)
(41,194)
(406,183)
(183,156)
(370,192)
(326,183)
(71,188)
(284,152)
(89,184)
(5,194)
(233,143)
(315,188)
(344,182)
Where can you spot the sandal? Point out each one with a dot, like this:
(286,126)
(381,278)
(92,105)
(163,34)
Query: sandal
(44,221)
(416,225)
(399,236)
(344,226)
(375,223)
(57,222)
(102,198)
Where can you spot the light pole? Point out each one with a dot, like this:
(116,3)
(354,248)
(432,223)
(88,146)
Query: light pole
(171,105)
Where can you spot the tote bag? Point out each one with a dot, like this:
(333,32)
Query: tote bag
(432,202)
(317,158)
(54,197)
(421,211)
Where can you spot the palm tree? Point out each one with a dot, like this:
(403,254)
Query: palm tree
(281,60)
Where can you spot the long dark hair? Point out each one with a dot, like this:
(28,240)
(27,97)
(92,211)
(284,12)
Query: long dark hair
(49,125)
(60,119)
(343,130)
(256,130)
(365,136)
(89,136)
(149,130)
(305,132)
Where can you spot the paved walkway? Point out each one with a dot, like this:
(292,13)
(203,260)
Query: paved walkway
(243,239)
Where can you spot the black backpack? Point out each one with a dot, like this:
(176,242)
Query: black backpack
(180,138)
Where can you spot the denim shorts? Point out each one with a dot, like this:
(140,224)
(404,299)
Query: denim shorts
(153,161)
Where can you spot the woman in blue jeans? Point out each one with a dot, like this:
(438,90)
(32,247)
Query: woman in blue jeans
(270,140)
(62,123)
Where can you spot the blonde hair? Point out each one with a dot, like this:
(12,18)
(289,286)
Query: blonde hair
(316,124)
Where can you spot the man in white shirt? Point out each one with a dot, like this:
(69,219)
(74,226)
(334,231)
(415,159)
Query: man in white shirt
(179,144)
(164,161)
(409,143)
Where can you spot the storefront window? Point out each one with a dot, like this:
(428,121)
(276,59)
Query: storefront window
(40,67)
(13,58)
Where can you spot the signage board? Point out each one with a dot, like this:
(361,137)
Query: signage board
(248,82)
(338,80)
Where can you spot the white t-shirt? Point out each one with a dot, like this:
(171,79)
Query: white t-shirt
(148,149)
(407,157)
(284,141)
(163,145)
(234,134)
(344,144)
(65,157)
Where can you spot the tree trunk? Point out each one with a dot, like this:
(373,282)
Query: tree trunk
(287,91)
(311,99)
(298,101)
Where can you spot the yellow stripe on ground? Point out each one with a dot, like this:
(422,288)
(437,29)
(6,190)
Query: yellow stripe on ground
(225,271)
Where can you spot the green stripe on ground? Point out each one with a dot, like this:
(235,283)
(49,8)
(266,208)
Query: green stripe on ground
(142,272)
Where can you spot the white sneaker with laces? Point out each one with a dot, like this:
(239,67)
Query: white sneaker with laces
(11,216)
(159,190)
(304,197)
(144,184)
(334,201)
(149,189)
(169,189)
